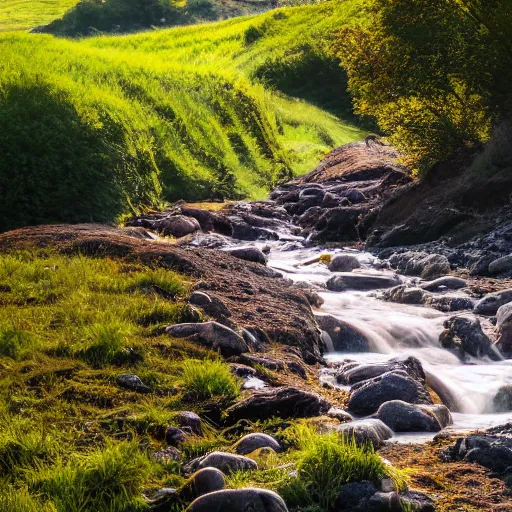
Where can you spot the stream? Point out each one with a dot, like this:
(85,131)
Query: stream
(396,330)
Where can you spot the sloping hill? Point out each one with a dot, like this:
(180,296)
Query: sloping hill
(96,128)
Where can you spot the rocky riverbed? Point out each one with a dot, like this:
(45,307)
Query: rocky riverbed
(383,346)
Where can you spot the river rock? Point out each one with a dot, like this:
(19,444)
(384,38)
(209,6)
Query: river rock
(212,334)
(490,304)
(400,416)
(132,382)
(504,324)
(283,402)
(177,225)
(404,294)
(502,401)
(344,263)
(427,266)
(371,394)
(190,422)
(343,336)
(254,441)
(355,373)
(239,500)
(340,414)
(223,461)
(450,303)
(249,254)
(355,496)
(447,282)
(371,430)
(501,265)
(464,333)
(363,282)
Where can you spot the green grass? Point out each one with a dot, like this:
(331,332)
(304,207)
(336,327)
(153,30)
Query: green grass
(27,14)
(208,379)
(97,128)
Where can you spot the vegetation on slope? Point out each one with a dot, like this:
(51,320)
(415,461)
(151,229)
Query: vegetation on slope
(435,74)
(72,439)
(27,14)
(111,125)
(89,17)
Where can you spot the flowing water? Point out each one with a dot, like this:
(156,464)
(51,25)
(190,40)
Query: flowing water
(395,329)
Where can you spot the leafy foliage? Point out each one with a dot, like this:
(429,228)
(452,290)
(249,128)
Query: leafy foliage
(433,73)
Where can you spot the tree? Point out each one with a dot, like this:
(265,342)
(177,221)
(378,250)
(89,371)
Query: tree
(434,73)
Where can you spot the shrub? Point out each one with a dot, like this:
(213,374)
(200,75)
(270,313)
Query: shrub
(14,342)
(208,379)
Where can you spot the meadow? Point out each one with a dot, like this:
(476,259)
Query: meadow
(99,128)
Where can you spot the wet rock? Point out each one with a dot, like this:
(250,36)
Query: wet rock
(490,304)
(209,221)
(408,366)
(223,461)
(212,334)
(450,303)
(502,401)
(501,265)
(338,224)
(504,324)
(400,416)
(363,282)
(371,394)
(343,336)
(190,421)
(177,225)
(344,263)
(427,266)
(444,283)
(366,431)
(249,254)
(339,414)
(174,436)
(283,402)
(244,231)
(132,382)
(417,502)
(404,294)
(252,442)
(239,500)
(385,502)
(464,333)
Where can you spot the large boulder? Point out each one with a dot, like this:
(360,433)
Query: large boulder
(343,336)
(363,282)
(212,334)
(366,431)
(400,416)
(239,500)
(344,263)
(223,461)
(283,402)
(501,265)
(249,254)
(427,266)
(464,333)
(368,396)
(502,401)
(404,294)
(254,441)
(177,225)
(490,304)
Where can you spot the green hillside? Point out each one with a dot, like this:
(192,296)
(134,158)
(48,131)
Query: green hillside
(96,128)
(27,14)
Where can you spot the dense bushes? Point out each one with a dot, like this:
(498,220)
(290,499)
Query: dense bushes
(435,74)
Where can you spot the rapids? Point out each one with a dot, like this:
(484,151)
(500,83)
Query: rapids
(395,329)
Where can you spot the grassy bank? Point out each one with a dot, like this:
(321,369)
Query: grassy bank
(104,126)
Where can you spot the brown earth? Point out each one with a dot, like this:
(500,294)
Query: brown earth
(251,295)
(454,486)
